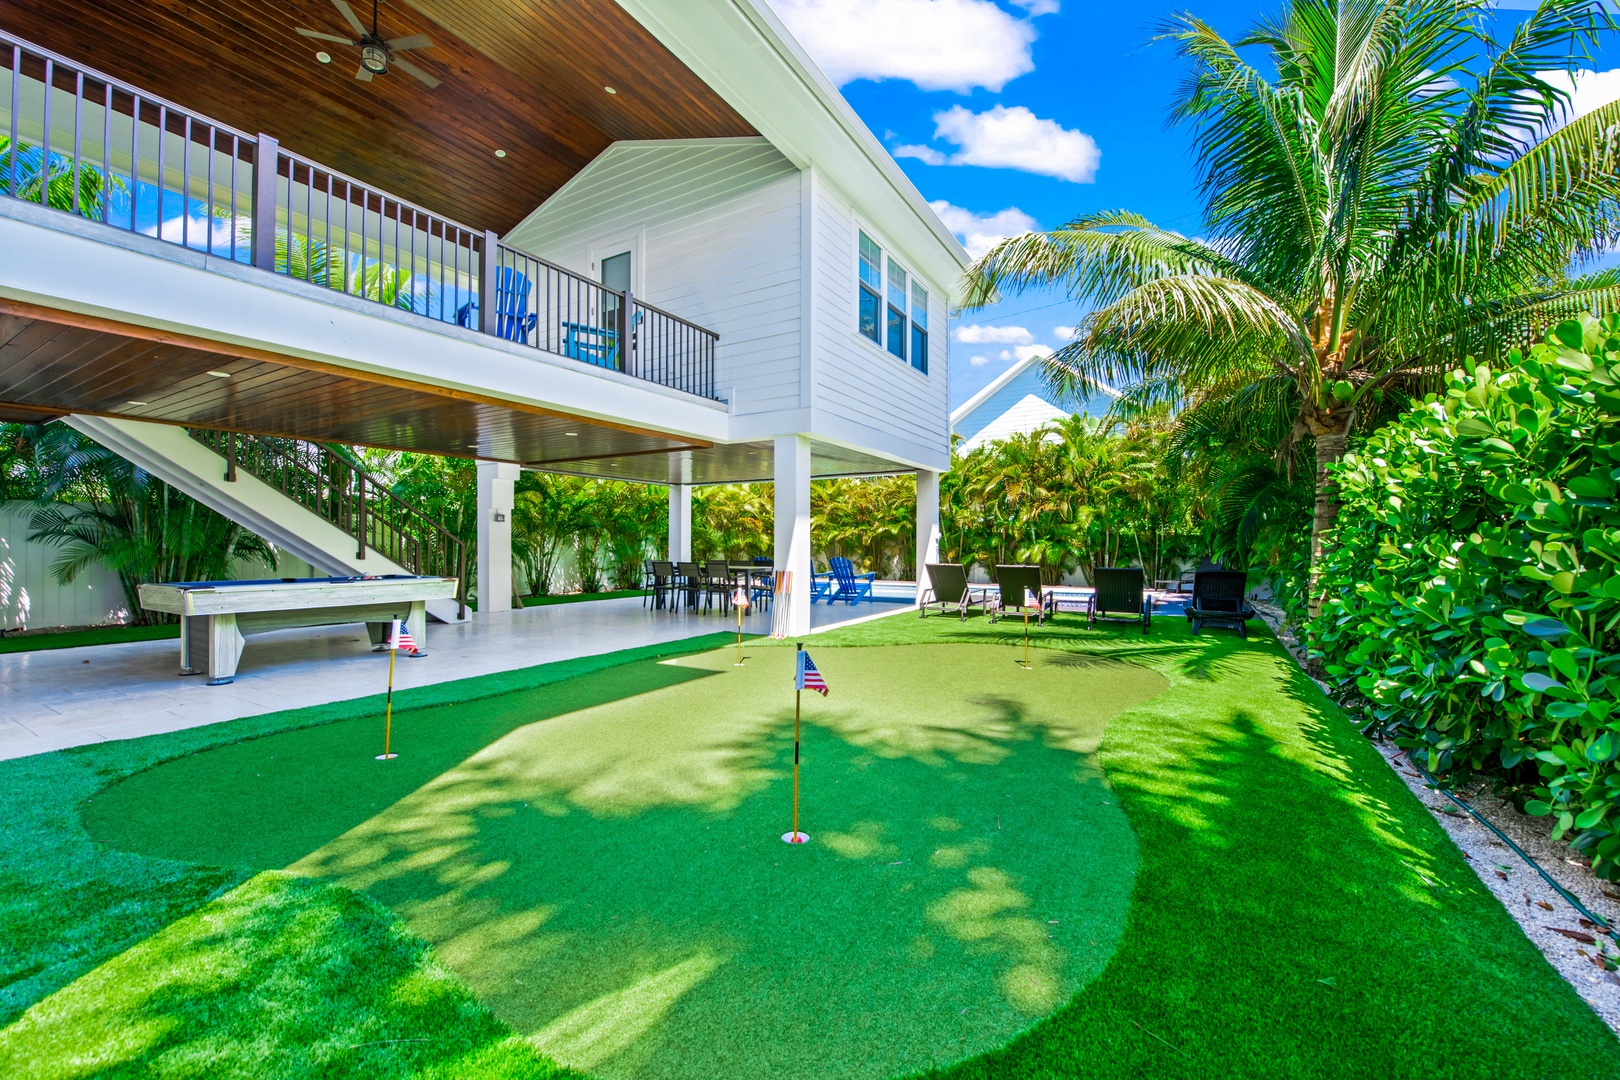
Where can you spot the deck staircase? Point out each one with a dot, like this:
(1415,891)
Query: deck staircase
(313,501)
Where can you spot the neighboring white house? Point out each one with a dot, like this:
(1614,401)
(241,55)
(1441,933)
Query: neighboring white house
(763,297)
(1019,401)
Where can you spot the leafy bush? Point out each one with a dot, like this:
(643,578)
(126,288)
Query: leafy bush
(1476,576)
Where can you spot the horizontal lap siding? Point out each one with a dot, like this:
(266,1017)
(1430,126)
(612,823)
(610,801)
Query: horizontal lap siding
(721,248)
(858,381)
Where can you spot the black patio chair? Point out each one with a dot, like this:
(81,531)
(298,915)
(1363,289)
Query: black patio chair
(1018,588)
(1218,600)
(717,582)
(1118,594)
(689,581)
(948,588)
(663,583)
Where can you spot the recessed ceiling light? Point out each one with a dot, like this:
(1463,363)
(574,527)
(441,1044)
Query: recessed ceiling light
(610,89)
(472,446)
(134,403)
(500,153)
(220,374)
(613,464)
(324,57)
(571,433)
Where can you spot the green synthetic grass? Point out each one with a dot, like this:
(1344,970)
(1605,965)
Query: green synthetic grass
(95,635)
(1295,912)
(575,598)
(612,881)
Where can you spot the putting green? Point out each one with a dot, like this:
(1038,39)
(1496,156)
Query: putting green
(611,880)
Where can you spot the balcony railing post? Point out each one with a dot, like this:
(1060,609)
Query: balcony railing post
(489,270)
(627,333)
(360,516)
(230,456)
(266,163)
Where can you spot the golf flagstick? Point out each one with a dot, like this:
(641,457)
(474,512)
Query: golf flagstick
(1026,630)
(739,600)
(796,837)
(388,717)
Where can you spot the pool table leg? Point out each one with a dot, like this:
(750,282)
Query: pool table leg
(224,649)
(190,648)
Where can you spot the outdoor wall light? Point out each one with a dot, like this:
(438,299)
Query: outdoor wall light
(374,60)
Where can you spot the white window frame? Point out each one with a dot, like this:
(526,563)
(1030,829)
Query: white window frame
(886,253)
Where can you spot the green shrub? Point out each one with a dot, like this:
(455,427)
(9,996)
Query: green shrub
(1476,576)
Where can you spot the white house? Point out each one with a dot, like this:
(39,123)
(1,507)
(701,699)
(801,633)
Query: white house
(669,252)
(1019,401)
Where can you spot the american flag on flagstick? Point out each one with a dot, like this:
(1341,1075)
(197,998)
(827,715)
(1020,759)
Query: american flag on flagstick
(402,638)
(808,677)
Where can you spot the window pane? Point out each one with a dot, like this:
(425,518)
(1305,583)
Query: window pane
(919,304)
(897,333)
(869,315)
(919,348)
(897,287)
(871,264)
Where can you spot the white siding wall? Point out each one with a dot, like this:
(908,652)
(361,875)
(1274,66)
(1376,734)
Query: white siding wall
(855,380)
(719,222)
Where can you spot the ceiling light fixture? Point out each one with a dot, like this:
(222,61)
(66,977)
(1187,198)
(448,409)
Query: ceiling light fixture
(374,59)
(134,403)
(500,153)
(610,89)
(571,434)
(220,374)
(324,57)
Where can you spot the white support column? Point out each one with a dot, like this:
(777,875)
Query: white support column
(496,482)
(680,523)
(927,526)
(793,528)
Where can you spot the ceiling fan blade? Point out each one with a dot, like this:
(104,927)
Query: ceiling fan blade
(348,14)
(411,69)
(362,74)
(325,37)
(415,41)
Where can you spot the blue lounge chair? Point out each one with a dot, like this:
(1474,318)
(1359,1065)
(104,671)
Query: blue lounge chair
(841,582)
(513,319)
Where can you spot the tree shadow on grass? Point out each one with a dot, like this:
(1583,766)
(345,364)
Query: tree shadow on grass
(1296,916)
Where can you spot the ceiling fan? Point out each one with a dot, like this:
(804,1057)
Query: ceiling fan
(376,52)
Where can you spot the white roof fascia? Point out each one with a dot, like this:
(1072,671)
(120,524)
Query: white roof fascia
(1003,379)
(742,50)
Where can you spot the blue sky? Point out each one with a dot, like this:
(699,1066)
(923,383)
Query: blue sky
(1033,111)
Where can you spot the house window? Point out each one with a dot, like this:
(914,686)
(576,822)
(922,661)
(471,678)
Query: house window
(897,310)
(871,288)
(919,327)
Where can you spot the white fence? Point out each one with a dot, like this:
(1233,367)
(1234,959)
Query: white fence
(31,597)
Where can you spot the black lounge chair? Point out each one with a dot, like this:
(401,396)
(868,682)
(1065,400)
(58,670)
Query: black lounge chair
(1016,586)
(1119,593)
(1218,600)
(948,588)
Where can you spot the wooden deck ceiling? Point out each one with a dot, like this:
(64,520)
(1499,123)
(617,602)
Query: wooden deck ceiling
(54,362)
(527,77)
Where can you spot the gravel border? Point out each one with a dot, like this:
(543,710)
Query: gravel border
(1530,900)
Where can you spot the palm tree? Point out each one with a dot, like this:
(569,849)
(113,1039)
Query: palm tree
(1401,196)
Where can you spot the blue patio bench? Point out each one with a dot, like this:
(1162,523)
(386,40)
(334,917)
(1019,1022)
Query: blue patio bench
(841,582)
(513,319)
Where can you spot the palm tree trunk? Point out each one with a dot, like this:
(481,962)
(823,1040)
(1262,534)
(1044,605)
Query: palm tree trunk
(1331,434)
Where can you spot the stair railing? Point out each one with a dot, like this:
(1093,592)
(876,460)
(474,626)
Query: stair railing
(341,492)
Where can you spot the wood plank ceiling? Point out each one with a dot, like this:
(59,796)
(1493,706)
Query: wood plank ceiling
(524,76)
(53,362)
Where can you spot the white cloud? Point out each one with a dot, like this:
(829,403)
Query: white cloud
(937,44)
(1024,352)
(1038,7)
(979,361)
(978,334)
(1064,333)
(981,232)
(1014,138)
(1587,90)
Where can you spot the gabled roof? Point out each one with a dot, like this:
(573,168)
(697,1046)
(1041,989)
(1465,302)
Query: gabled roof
(966,408)
(744,52)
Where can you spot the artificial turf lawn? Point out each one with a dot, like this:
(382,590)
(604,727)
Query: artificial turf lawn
(95,635)
(611,881)
(1295,912)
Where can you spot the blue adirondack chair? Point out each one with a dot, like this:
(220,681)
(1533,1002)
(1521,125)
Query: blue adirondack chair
(843,583)
(513,319)
(598,345)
